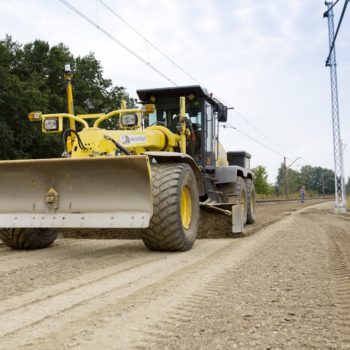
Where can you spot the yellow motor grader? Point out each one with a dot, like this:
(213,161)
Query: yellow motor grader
(149,168)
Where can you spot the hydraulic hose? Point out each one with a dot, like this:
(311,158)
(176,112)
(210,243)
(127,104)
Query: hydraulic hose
(64,140)
(118,145)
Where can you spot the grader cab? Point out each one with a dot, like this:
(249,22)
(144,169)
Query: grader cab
(151,169)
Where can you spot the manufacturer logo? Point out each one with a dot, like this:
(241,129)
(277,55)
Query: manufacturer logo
(132,139)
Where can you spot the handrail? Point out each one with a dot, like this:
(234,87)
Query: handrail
(113,113)
(66,115)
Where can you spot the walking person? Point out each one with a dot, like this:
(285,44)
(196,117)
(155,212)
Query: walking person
(302,192)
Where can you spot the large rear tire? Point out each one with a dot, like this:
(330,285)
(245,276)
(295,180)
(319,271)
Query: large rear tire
(251,201)
(174,224)
(28,238)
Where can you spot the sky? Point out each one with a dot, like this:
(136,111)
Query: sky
(264,58)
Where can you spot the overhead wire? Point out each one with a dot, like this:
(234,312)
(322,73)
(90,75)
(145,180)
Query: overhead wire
(90,21)
(132,52)
(254,127)
(155,47)
(228,125)
(337,31)
(325,14)
(259,131)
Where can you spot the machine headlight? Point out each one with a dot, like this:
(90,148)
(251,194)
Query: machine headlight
(34,116)
(148,108)
(51,124)
(129,119)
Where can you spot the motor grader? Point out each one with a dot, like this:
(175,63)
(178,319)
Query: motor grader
(149,168)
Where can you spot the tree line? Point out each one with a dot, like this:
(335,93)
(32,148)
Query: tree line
(315,179)
(31,79)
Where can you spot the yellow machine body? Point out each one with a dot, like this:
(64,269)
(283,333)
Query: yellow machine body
(153,138)
(96,185)
(104,178)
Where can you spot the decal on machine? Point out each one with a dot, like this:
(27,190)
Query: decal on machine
(132,139)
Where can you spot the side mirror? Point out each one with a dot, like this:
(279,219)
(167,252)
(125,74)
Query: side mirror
(222,113)
(52,125)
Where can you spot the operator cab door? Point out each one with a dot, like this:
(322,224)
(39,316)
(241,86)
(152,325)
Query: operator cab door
(209,136)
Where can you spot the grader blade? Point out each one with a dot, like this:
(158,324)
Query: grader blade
(81,192)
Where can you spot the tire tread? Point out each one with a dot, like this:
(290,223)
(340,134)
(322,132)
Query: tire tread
(28,238)
(165,231)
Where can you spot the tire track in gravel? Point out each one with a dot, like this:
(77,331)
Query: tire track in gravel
(17,259)
(126,306)
(339,248)
(140,310)
(42,310)
(87,280)
(171,332)
(62,262)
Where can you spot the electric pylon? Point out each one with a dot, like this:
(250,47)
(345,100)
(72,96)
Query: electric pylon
(340,198)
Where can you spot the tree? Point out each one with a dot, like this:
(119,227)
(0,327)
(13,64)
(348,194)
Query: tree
(261,183)
(315,179)
(293,180)
(318,179)
(31,79)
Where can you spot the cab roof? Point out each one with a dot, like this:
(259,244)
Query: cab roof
(177,91)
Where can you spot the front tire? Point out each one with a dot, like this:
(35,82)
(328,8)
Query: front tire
(174,224)
(28,238)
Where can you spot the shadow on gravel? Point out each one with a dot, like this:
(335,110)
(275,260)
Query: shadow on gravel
(211,226)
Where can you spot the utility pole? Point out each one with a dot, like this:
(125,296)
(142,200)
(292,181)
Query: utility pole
(322,182)
(285,177)
(286,187)
(340,200)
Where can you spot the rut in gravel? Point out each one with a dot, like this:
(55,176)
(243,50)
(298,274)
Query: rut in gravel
(339,248)
(284,286)
(121,295)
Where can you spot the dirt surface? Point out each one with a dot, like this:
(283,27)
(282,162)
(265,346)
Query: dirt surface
(212,225)
(283,285)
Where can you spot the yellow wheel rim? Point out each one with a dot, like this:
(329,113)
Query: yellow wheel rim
(186,207)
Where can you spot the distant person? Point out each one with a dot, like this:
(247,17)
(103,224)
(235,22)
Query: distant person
(302,192)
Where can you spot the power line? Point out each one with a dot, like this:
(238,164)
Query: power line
(227,125)
(330,8)
(149,42)
(259,131)
(337,31)
(90,21)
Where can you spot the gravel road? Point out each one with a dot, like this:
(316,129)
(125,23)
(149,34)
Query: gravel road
(285,284)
